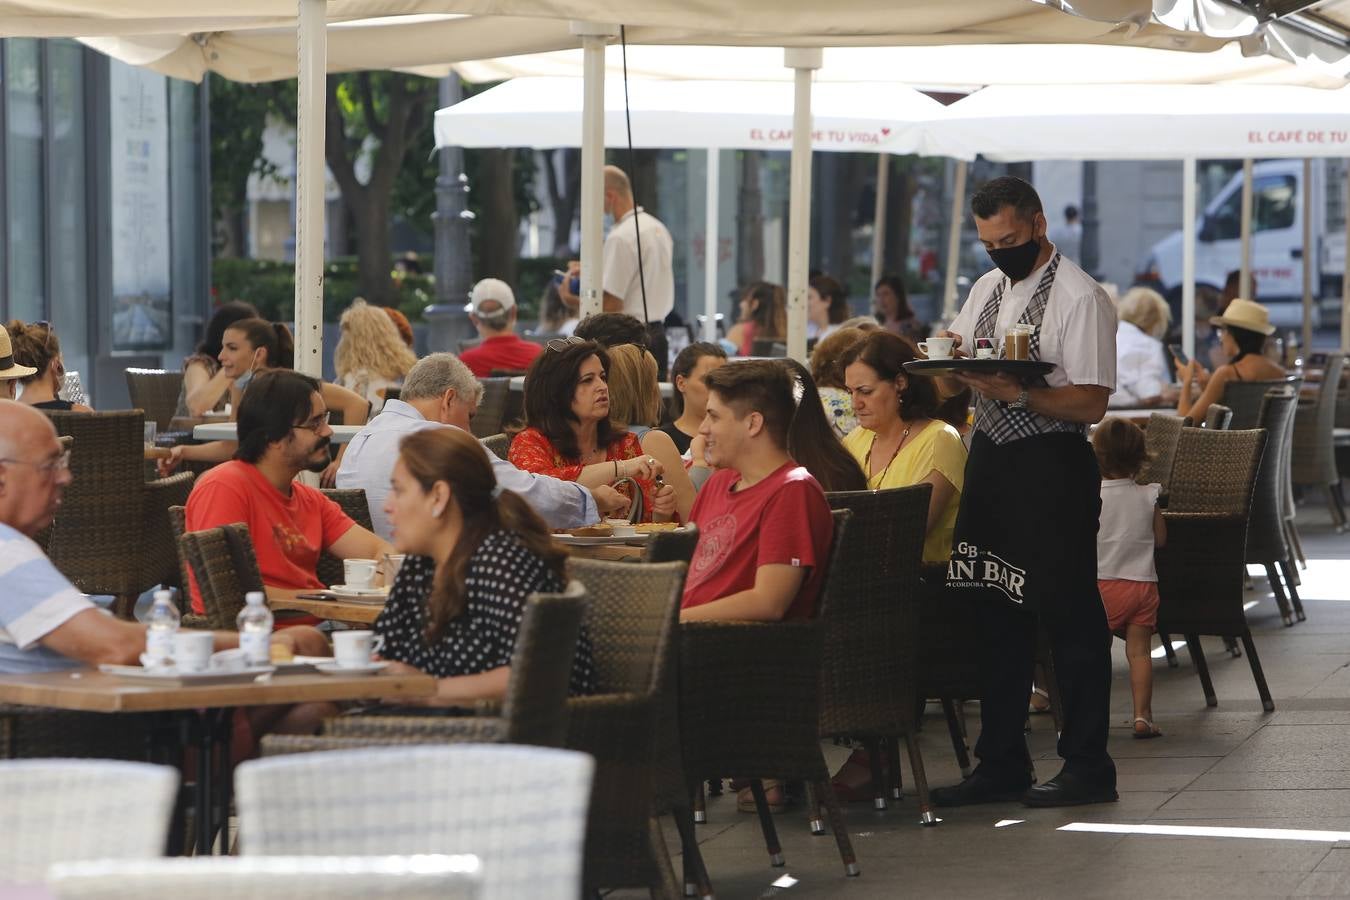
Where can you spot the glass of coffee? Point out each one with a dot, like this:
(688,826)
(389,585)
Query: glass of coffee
(1017,342)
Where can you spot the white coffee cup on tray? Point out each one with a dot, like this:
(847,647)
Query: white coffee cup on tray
(358,573)
(192,650)
(353,649)
(984,348)
(937,347)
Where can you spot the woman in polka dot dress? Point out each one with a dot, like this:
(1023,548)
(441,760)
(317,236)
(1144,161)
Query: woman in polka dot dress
(475,553)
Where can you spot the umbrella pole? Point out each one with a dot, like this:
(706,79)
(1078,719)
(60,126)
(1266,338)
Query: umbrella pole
(1245,276)
(1307,258)
(593,37)
(803,60)
(711,240)
(954,242)
(879,217)
(309,186)
(1188,256)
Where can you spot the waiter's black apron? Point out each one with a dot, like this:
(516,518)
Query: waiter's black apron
(1025,550)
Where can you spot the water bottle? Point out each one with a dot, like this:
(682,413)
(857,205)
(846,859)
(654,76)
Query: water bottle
(255,630)
(160,629)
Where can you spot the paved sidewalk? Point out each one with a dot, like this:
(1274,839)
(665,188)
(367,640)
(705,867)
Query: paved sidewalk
(1232,766)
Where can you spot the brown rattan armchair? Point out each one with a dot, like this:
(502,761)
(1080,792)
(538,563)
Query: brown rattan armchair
(1314,457)
(1267,543)
(1244,398)
(225,568)
(750,705)
(491,415)
(353,502)
(1218,417)
(156,391)
(868,677)
(112,534)
(1201,568)
(1161,441)
(533,710)
(498,444)
(671,546)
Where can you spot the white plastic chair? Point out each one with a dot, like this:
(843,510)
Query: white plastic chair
(66,810)
(271,878)
(520,810)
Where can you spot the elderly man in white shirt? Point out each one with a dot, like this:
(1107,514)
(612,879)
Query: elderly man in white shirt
(441,392)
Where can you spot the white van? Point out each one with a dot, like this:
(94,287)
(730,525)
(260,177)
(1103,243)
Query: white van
(1277,238)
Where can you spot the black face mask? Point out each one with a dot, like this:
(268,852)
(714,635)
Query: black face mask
(1017,262)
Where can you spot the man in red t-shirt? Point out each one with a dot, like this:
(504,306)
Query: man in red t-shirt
(494,315)
(283,431)
(765,527)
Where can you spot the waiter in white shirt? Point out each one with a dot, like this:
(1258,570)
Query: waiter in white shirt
(639,274)
(1025,546)
(441,392)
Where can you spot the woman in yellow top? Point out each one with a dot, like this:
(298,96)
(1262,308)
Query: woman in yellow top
(899,440)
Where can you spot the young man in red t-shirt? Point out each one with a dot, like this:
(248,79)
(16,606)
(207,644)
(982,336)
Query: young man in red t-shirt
(494,315)
(283,431)
(765,527)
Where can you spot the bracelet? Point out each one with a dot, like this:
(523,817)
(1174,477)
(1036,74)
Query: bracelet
(616,469)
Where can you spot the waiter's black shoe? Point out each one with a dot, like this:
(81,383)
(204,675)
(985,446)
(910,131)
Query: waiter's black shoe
(1069,789)
(980,788)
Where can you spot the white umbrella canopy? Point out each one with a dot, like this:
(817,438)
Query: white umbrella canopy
(546,112)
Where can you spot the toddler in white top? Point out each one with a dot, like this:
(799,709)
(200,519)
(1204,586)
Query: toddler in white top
(1131,527)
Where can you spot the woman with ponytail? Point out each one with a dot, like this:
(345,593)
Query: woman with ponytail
(474,554)
(249,347)
(812,440)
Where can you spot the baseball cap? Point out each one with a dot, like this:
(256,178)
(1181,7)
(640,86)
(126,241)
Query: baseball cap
(492,289)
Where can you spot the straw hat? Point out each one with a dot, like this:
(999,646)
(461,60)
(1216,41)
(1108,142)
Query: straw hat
(8,368)
(1246,314)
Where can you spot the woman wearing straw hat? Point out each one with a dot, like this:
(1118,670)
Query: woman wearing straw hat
(1244,325)
(10,373)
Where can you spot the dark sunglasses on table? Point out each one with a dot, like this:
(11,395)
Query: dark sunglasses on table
(561,344)
(315,423)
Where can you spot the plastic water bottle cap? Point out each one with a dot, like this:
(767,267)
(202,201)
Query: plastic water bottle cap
(163,597)
(254,597)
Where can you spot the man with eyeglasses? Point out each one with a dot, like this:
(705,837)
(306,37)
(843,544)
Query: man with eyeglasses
(283,431)
(46,624)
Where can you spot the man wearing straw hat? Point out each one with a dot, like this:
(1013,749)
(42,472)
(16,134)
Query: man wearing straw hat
(1025,547)
(10,372)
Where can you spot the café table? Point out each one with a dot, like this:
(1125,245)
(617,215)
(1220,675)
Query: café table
(336,610)
(226,431)
(199,716)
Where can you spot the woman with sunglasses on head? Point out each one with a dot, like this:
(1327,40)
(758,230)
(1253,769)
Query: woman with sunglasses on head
(250,347)
(570,435)
(35,346)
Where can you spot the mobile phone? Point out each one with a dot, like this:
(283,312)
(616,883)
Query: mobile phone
(1179,354)
(574,285)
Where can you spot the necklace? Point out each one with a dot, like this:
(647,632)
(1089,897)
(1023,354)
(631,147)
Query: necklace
(867,461)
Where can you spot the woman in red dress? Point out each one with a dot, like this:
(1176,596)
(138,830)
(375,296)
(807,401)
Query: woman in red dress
(569,434)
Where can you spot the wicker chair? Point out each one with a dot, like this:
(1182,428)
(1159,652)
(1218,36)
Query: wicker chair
(1244,398)
(520,810)
(156,391)
(498,444)
(353,503)
(271,878)
(868,674)
(66,810)
(225,568)
(671,546)
(1201,569)
(1266,540)
(533,711)
(750,705)
(1314,457)
(491,415)
(112,534)
(1161,441)
(1218,417)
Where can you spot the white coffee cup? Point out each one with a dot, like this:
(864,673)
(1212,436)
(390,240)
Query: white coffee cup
(984,348)
(937,347)
(358,573)
(192,650)
(353,649)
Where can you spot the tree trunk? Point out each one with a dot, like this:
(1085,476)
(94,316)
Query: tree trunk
(899,216)
(499,226)
(564,191)
(749,221)
(230,233)
(374,259)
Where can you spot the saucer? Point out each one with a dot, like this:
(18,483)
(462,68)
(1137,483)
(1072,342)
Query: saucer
(332,668)
(359,591)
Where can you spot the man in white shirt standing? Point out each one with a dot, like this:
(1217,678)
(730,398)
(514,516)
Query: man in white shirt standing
(1025,551)
(629,273)
(441,392)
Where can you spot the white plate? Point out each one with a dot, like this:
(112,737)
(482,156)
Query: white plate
(332,668)
(172,677)
(342,589)
(634,539)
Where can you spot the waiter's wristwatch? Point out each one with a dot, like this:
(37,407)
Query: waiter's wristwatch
(1021,401)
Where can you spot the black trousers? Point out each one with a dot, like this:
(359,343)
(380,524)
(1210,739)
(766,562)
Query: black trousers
(1035,503)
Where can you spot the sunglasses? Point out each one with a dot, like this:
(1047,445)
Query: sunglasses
(561,344)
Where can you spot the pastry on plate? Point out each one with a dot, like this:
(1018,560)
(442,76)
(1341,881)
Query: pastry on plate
(591,531)
(649,527)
